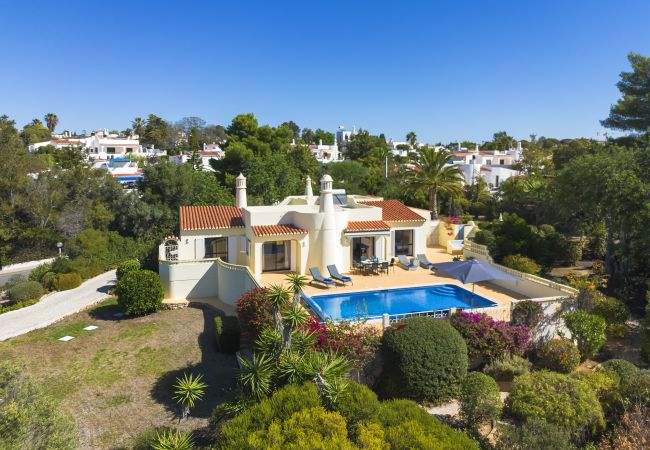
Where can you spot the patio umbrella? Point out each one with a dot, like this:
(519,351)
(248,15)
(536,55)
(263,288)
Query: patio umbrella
(474,271)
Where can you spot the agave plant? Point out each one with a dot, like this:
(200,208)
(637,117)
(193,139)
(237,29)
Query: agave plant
(302,340)
(256,377)
(187,391)
(296,284)
(269,342)
(291,368)
(173,440)
(294,317)
(279,299)
(331,391)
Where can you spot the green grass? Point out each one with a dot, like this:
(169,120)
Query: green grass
(117,400)
(139,331)
(75,329)
(153,361)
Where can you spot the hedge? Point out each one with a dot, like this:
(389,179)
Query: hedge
(139,292)
(227,333)
(480,401)
(27,290)
(424,359)
(65,281)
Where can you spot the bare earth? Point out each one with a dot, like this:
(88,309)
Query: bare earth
(116,380)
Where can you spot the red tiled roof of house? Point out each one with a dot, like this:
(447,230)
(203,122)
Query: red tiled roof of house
(210,217)
(395,211)
(277,230)
(367,225)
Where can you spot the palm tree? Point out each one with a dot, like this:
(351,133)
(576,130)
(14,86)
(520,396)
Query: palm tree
(296,284)
(51,120)
(138,125)
(187,391)
(411,138)
(294,316)
(434,172)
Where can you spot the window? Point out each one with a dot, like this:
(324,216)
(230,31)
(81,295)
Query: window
(129,150)
(488,162)
(404,242)
(502,161)
(497,181)
(243,245)
(216,248)
(110,150)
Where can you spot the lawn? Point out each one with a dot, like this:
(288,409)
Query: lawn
(116,380)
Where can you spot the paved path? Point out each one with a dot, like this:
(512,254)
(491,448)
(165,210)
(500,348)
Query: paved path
(55,306)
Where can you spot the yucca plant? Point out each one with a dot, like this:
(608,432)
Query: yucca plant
(296,284)
(256,377)
(269,342)
(173,440)
(293,317)
(279,299)
(187,391)
(302,340)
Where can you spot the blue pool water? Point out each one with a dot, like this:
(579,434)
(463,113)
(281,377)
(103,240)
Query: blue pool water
(369,304)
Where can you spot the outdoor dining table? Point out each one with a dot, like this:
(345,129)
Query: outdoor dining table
(367,263)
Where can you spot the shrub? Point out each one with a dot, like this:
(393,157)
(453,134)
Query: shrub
(527,313)
(507,367)
(611,309)
(632,433)
(424,359)
(359,404)
(27,290)
(254,311)
(39,271)
(407,426)
(485,237)
(618,330)
(488,338)
(28,418)
(605,385)
(139,292)
(127,266)
(557,399)
(227,333)
(637,390)
(48,280)
(13,281)
(173,440)
(66,281)
(62,265)
(588,330)
(623,370)
(560,355)
(534,434)
(522,264)
(479,399)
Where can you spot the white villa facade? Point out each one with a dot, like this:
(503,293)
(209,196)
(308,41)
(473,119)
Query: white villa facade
(494,166)
(299,233)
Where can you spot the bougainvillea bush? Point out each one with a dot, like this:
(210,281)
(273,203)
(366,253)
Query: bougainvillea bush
(356,341)
(254,311)
(488,338)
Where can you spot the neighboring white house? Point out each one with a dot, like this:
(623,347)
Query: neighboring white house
(494,166)
(206,156)
(298,233)
(325,153)
(123,170)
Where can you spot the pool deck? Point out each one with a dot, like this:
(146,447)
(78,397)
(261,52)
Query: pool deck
(399,277)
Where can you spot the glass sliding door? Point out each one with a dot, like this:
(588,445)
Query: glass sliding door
(404,242)
(363,248)
(216,248)
(277,256)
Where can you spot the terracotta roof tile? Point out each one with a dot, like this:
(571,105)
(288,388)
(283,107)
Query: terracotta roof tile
(277,230)
(366,225)
(210,217)
(395,211)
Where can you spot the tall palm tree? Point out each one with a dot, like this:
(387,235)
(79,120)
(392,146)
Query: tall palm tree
(434,172)
(411,138)
(138,125)
(51,120)
(296,284)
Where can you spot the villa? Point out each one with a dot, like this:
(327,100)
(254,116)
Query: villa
(223,251)
(494,166)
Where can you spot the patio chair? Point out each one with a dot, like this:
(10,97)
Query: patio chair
(405,263)
(315,273)
(384,267)
(424,261)
(374,268)
(392,264)
(334,273)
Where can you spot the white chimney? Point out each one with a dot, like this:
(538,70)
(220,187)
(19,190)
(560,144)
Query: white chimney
(330,247)
(240,191)
(309,193)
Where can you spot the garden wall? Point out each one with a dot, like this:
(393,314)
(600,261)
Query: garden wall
(209,278)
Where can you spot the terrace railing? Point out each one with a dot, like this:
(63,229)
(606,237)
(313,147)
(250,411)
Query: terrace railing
(438,314)
(482,250)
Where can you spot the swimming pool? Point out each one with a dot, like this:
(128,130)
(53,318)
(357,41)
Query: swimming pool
(394,302)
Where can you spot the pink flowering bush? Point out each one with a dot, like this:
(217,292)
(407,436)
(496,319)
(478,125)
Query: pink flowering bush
(488,338)
(254,311)
(357,342)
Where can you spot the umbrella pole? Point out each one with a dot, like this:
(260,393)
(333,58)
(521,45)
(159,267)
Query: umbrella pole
(473,284)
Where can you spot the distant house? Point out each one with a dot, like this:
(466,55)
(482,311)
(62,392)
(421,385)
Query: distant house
(494,166)
(123,170)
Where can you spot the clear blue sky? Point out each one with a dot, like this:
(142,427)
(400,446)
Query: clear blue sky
(445,69)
